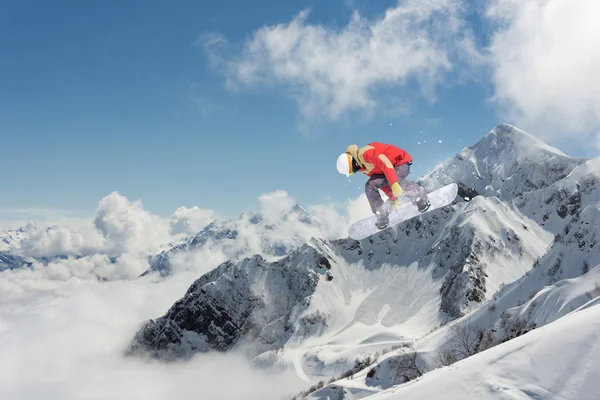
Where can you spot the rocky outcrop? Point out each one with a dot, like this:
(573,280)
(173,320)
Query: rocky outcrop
(252,301)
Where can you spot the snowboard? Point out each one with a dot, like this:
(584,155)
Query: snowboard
(438,198)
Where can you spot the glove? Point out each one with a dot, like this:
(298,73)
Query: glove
(396,189)
(396,203)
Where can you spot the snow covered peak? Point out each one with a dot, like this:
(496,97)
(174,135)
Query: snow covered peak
(11,239)
(506,137)
(505,163)
(10,244)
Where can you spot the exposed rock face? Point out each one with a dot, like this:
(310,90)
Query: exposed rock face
(11,261)
(250,301)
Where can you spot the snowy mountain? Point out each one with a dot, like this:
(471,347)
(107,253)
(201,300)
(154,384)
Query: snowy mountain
(11,239)
(506,163)
(530,222)
(557,361)
(444,264)
(564,278)
(250,300)
(10,243)
(270,234)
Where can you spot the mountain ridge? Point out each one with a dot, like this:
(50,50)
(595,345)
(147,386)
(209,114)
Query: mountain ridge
(427,273)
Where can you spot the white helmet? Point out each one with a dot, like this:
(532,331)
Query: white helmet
(344,164)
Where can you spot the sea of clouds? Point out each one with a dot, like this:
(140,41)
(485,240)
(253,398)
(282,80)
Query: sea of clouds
(66,320)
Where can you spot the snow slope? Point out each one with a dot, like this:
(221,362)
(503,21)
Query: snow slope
(548,308)
(558,361)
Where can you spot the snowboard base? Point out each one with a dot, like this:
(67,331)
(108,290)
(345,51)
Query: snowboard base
(438,198)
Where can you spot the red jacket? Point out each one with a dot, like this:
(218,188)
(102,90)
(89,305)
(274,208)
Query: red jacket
(380,158)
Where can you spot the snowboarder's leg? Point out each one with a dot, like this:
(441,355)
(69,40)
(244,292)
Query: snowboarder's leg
(378,207)
(413,191)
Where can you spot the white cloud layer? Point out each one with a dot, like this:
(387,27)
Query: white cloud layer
(545,58)
(114,245)
(330,71)
(64,340)
(117,243)
(58,240)
(64,325)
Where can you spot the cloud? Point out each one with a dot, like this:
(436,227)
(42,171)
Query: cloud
(540,56)
(64,340)
(114,245)
(128,228)
(59,240)
(337,217)
(285,225)
(117,243)
(330,71)
(283,209)
(545,58)
(190,221)
(67,322)
(204,259)
(276,203)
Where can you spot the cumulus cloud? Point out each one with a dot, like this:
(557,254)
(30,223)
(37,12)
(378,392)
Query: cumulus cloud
(330,71)
(206,258)
(118,243)
(545,59)
(189,221)
(294,221)
(127,227)
(284,225)
(276,203)
(114,245)
(359,208)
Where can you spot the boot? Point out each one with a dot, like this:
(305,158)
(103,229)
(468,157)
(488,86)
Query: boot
(382,216)
(423,204)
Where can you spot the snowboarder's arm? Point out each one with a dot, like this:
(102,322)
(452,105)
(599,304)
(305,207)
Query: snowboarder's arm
(388,192)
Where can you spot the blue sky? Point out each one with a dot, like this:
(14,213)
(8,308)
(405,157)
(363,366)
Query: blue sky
(97,97)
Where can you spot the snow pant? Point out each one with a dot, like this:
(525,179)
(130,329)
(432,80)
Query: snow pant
(410,189)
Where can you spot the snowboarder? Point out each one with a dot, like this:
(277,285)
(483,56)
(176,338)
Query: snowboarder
(387,167)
